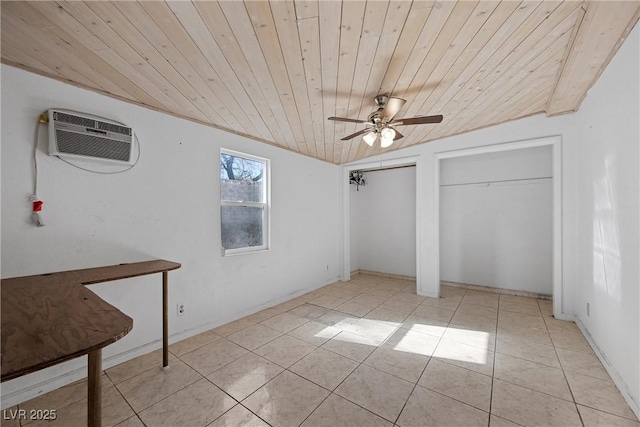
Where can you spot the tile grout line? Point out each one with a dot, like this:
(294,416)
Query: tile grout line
(416,383)
(331,392)
(564,374)
(531,361)
(360,363)
(320,404)
(221,415)
(493,374)
(135,414)
(423,370)
(287,369)
(166,397)
(259,417)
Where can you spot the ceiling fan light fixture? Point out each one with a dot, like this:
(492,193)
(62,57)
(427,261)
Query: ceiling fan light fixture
(370,138)
(386,137)
(379,124)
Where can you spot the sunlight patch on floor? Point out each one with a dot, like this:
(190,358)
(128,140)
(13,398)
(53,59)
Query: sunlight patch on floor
(463,345)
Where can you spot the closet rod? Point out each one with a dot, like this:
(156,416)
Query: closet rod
(387,168)
(493,182)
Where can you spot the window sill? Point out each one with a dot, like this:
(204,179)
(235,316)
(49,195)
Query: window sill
(235,252)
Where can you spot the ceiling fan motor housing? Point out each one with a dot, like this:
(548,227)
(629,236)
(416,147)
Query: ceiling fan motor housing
(381,100)
(376,117)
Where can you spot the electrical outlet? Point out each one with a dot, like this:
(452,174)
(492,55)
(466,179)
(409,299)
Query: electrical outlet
(588,310)
(180,309)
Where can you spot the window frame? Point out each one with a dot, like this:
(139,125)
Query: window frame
(266,205)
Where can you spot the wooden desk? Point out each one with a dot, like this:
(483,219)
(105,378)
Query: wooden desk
(52,318)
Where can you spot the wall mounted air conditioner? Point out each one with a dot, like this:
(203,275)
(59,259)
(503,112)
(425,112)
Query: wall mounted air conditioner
(84,136)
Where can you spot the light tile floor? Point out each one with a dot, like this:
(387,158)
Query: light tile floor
(369,352)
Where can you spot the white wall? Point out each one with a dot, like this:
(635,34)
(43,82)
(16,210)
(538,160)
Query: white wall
(496,219)
(607,214)
(511,165)
(166,207)
(600,197)
(383,222)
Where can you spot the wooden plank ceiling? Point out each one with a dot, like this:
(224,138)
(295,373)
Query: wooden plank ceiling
(275,70)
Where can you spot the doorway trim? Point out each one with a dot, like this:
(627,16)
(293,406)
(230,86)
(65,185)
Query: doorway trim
(346,209)
(556,149)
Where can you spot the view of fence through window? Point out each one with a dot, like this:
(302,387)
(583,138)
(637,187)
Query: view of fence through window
(243,201)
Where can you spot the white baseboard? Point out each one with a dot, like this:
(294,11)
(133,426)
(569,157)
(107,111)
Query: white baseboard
(613,373)
(381,274)
(495,290)
(73,375)
(567,317)
(427,294)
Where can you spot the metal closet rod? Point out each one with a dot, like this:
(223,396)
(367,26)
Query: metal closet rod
(494,182)
(387,168)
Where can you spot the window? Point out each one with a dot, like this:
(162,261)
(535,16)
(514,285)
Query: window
(244,202)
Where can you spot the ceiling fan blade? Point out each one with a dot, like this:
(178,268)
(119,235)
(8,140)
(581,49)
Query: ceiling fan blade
(344,119)
(353,135)
(391,108)
(418,120)
(398,135)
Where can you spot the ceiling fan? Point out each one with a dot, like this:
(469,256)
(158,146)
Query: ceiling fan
(381,122)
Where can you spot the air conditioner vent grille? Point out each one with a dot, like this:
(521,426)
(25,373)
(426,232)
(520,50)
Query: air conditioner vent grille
(92,146)
(114,128)
(85,136)
(74,120)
